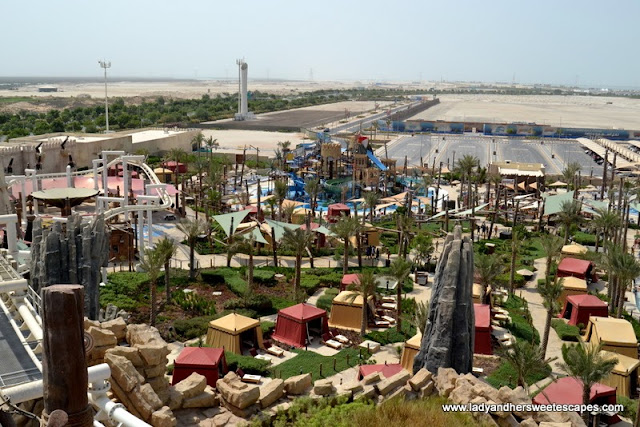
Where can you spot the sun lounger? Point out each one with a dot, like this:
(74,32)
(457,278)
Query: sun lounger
(381,323)
(389,299)
(276,351)
(333,344)
(389,319)
(342,339)
(254,379)
(263,357)
(389,305)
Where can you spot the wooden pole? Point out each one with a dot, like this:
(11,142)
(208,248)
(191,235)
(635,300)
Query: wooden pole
(64,366)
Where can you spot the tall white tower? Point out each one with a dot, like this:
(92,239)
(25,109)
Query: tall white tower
(243,107)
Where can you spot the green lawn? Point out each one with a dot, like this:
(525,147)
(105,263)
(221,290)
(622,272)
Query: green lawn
(506,375)
(565,331)
(520,326)
(309,361)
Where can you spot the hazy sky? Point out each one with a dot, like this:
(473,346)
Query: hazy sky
(541,41)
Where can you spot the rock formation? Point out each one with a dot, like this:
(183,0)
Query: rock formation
(447,341)
(71,253)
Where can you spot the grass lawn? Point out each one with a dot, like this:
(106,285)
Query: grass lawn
(565,331)
(506,375)
(309,361)
(520,326)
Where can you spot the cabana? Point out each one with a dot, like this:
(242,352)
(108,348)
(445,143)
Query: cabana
(347,280)
(336,210)
(235,333)
(206,361)
(624,377)
(568,391)
(573,267)
(482,343)
(346,311)
(574,249)
(578,308)
(297,324)
(387,370)
(615,335)
(572,286)
(411,348)
(477,293)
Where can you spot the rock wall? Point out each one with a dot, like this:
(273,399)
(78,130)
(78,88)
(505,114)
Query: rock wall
(449,333)
(73,253)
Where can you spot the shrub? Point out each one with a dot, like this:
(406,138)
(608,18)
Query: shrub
(195,327)
(630,406)
(233,303)
(124,290)
(309,284)
(195,304)
(236,284)
(280,302)
(259,303)
(505,375)
(392,335)
(264,277)
(408,306)
(248,364)
(267,327)
(324,302)
(213,277)
(241,311)
(565,331)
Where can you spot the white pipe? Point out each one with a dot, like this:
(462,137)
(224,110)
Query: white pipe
(97,423)
(69,182)
(105,187)
(18,332)
(150,225)
(140,232)
(28,317)
(34,389)
(125,182)
(95,173)
(23,200)
(13,285)
(117,412)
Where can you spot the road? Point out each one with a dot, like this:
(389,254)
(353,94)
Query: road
(554,155)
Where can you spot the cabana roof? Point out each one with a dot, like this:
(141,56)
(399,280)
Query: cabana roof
(234,323)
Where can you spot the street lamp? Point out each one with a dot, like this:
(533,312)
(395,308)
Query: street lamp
(105,65)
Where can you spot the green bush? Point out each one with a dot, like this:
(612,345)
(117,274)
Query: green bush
(324,302)
(194,327)
(260,303)
(267,327)
(233,303)
(505,375)
(634,323)
(408,306)
(213,277)
(392,335)
(584,238)
(280,302)
(309,284)
(520,325)
(195,304)
(241,311)
(565,331)
(124,290)
(248,364)
(630,406)
(264,277)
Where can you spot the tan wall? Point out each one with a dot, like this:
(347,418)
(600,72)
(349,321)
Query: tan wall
(54,158)
(162,145)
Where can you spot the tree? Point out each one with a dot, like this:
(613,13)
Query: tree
(280,190)
(400,270)
(177,155)
(344,228)
(569,173)
(151,262)
(552,247)
(167,247)
(604,222)
(371,199)
(312,188)
(624,267)
(365,287)
(586,364)
(466,167)
(526,359)
(516,244)
(405,223)
(423,249)
(550,291)
(568,216)
(242,243)
(487,269)
(298,241)
(420,316)
(192,229)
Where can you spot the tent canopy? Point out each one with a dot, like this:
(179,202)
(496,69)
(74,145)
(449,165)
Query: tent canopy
(206,361)
(625,366)
(234,323)
(482,316)
(553,204)
(574,267)
(568,391)
(230,221)
(292,324)
(279,228)
(612,332)
(574,283)
(347,298)
(349,279)
(586,301)
(411,348)
(226,332)
(574,249)
(302,312)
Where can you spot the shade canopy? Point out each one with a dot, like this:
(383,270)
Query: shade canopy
(568,391)
(558,184)
(229,331)
(206,361)
(482,341)
(624,377)
(349,279)
(553,204)
(615,335)
(58,196)
(574,249)
(292,324)
(346,311)
(229,222)
(578,308)
(575,268)
(278,228)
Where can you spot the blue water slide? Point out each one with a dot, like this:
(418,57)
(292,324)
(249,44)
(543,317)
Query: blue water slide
(376,161)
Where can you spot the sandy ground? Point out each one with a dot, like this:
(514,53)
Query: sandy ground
(236,140)
(570,111)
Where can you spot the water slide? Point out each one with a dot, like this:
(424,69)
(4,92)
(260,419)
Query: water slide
(376,161)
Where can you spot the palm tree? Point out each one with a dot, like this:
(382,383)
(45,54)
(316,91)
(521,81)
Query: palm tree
(243,243)
(625,268)
(552,247)
(345,228)
(299,241)
(167,247)
(604,222)
(286,213)
(423,249)
(569,215)
(177,155)
(405,223)
(467,166)
(365,287)
(192,229)
(550,292)
(312,188)
(516,244)
(487,269)
(400,269)
(151,262)
(211,144)
(526,359)
(420,316)
(280,190)
(569,173)
(586,364)
(371,199)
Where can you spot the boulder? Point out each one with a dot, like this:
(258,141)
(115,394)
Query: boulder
(148,394)
(143,334)
(420,379)
(102,337)
(175,399)
(353,387)
(508,421)
(123,372)
(550,424)
(517,396)
(271,392)
(463,392)
(372,378)
(297,385)
(387,385)
(130,353)
(368,392)
(222,419)
(427,390)
(247,412)
(163,418)
(191,386)
(140,403)
(206,399)
(155,371)
(153,353)
(398,392)
(117,326)
(323,387)
(88,323)
(529,422)
(158,383)
(485,390)
(241,398)
(445,381)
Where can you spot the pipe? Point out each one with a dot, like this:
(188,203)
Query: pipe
(18,332)
(117,412)
(13,285)
(28,318)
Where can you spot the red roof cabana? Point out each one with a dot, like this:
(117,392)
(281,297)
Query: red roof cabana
(206,361)
(348,279)
(386,370)
(578,308)
(573,267)
(568,391)
(482,343)
(292,324)
(172,164)
(336,210)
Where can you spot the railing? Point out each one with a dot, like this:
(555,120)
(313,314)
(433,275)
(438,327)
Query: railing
(35,300)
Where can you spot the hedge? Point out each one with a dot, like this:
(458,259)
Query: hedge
(565,331)
(505,375)
(229,276)
(248,364)
(192,328)
(264,277)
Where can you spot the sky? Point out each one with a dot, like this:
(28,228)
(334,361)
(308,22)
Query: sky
(589,42)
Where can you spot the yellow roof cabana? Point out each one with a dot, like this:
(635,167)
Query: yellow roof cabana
(572,286)
(615,335)
(624,376)
(574,249)
(233,332)
(346,310)
(411,348)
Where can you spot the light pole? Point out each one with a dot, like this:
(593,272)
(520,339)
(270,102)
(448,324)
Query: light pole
(105,65)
